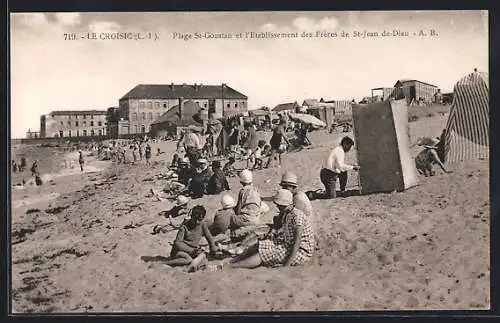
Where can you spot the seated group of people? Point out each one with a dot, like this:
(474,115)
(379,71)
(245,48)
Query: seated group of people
(288,241)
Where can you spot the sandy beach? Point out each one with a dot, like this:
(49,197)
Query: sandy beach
(426,248)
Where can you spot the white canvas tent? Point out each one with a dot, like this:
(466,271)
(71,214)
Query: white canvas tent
(383,147)
(466,132)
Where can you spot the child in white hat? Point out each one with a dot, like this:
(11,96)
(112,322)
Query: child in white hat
(222,218)
(249,205)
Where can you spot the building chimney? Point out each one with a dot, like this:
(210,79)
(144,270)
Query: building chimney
(181,107)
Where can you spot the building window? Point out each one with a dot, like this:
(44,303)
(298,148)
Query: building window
(228,105)
(100,132)
(84,116)
(91,116)
(99,123)
(69,116)
(76,123)
(134,116)
(61,133)
(150,116)
(141,105)
(150,105)
(92,133)
(204,105)
(236,105)
(143,129)
(76,116)
(91,123)
(157,115)
(157,105)
(69,133)
(69,123)
(144,116)
(62,123)
(164,105)
(85,123)
(78,133)
(84,133)
(135,128)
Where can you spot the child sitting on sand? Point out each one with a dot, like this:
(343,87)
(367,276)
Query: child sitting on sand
(186,246)
(229,167)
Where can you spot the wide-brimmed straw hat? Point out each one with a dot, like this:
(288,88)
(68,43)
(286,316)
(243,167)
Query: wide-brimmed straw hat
(289,178)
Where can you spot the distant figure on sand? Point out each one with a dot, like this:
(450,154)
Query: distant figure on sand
(14,166)
(22,165)
(428,157)
(80,160)
(334,167)
(294,247)
(34,168)
(186,246)
(279,135)
(148,153)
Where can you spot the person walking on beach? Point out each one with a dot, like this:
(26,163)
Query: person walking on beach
(80,160)
(14,166)
(148,153)
(279,134)
(334,167)
(22,165)
(34,168)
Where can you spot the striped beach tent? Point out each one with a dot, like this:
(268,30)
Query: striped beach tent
(466,133)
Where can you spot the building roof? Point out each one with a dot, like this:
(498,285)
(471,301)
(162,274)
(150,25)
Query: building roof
(401,81)
(310,102)
(285,106)
(172,115)
(68,112)
(175,91)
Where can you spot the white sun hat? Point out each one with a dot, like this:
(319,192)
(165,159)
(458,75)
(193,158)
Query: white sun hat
(227,202)
(283,197)
(246,176)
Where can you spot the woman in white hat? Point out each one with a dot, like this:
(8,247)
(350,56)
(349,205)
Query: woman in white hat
(249,205)
(300,200)
(294,247)
(428,157)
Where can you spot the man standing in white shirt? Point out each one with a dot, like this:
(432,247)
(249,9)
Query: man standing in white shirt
(334,167)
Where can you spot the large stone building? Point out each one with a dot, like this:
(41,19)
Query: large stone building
(145,103)
(73,124)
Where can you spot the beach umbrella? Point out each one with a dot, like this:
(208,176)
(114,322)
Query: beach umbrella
(307,118)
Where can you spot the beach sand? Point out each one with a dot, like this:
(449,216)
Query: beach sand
(425,248)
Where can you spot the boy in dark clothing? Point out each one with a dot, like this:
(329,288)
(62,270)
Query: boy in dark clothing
(218,182)
(34,168)
(201,176)
(186,246)
(184,172)
(229,167)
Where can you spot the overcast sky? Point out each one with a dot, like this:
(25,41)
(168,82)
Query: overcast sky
(51,73)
